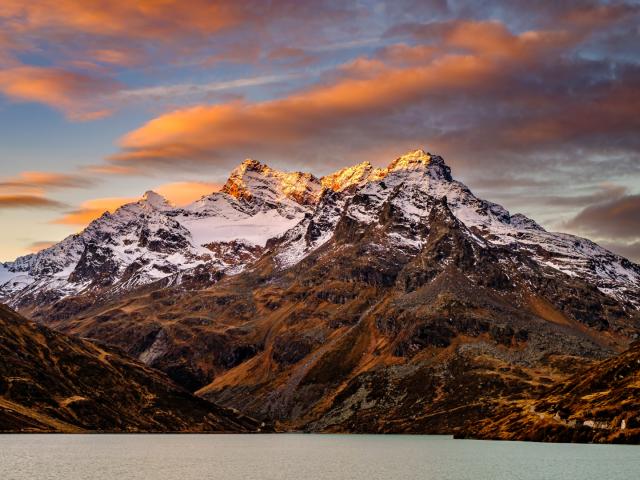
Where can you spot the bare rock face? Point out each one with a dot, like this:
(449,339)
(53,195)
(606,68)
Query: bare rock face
(371,300)
(96,265)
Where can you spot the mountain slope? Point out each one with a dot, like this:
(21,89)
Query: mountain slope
(395,301)
(600,404)
(363,336)
(368,333)
(51,382)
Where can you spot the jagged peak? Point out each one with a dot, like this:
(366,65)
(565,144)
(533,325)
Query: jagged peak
(252,178)
(521,221)
(236,184)
(420,159)
(416,159)
(348,176)
(239,183)
(151,196)
(250,164)
(412,157)
(154,200)
(150,201)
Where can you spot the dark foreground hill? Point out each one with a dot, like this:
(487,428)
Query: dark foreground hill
(50,382)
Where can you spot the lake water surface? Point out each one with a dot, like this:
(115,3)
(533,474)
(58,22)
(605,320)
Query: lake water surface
(305,457)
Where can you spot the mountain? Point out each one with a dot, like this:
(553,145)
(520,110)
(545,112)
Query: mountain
(53,383)
(150,240)
(373,299)
(599,405)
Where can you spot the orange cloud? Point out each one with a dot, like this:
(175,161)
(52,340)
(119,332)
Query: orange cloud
(94,36)
(92,209)
(210,132)
(142,19)
(184,193)
(494,39)
(71,92)
(35,247)
(99,35)
(177,193)
(27,201)
(473,58)
(45,179)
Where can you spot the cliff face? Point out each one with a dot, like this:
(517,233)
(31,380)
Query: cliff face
(53,383)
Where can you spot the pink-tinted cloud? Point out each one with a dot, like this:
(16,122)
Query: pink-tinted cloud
(365,89)
(27,201)
(70,92)
(41,245)
(36,179)
(618,218)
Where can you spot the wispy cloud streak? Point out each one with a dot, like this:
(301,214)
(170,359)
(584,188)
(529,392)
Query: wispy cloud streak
(191,89)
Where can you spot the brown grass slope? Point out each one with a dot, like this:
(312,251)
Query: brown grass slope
(600,404)
(50,382)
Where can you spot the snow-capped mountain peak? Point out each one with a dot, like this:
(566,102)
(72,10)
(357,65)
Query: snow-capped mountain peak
(150,239)
(362,173)
(155,200)
(226,231)
(398,200)
(410,159)
(419,160)
(252,180)
(349,176)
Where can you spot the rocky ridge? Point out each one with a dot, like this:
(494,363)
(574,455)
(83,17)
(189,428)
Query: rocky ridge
(150,240)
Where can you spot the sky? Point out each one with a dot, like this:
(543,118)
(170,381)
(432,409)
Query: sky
(534,105)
